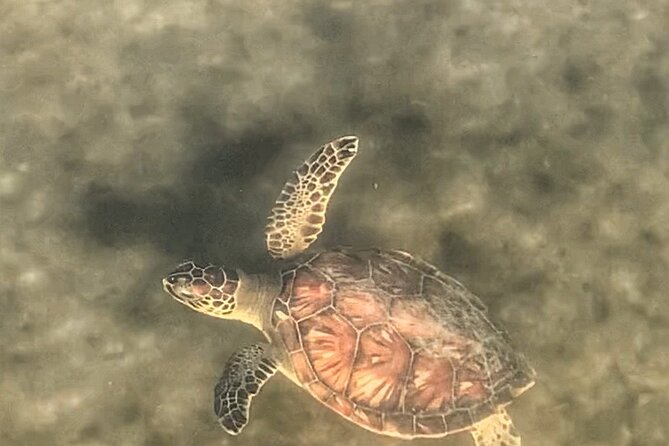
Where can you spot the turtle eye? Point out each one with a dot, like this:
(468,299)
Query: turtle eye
(175,276)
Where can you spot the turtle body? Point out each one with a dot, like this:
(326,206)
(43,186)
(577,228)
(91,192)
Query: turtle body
(392,344)
(382,338)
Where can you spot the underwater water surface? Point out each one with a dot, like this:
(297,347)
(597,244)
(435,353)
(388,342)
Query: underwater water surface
(520,146)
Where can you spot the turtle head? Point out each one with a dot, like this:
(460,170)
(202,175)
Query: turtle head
(208,289)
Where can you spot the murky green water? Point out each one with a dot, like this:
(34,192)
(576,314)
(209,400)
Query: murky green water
(521,146)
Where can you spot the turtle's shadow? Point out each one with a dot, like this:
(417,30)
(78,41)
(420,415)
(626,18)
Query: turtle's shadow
(213,212)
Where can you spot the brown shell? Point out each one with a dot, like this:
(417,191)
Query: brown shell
(394,345)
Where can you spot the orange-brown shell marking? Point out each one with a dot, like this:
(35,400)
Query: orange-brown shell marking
(392,344)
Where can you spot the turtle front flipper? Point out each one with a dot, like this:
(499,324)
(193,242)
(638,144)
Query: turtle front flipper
(243,377)
(299,213)
(496,430)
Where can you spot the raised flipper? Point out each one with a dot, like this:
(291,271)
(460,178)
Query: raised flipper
(243,377)
(496,430)
(299,213)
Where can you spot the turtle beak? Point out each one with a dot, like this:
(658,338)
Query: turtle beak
(175,288)
(167,286)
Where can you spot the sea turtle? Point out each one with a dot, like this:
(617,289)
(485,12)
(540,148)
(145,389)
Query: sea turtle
(381,337)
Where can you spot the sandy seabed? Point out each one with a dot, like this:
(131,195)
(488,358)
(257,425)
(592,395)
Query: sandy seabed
(519,145)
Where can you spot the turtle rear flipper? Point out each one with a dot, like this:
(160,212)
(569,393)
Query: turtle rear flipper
(243,377)
(299,213)
(496,430)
